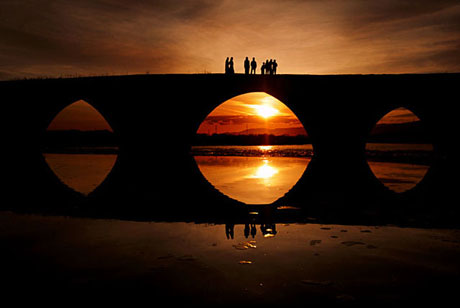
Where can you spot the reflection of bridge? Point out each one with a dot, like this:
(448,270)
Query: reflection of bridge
(155,118)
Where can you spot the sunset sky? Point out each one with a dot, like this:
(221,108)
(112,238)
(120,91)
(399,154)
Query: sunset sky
(91,37)
(256,113)
(79,116)
(398,116)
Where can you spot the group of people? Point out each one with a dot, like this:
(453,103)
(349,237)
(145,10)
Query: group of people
(267,68)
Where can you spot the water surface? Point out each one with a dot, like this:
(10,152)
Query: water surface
(198,263)
(252,180)
(81,172)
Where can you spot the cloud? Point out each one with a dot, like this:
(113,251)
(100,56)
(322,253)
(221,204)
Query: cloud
(183,36)
(242,120)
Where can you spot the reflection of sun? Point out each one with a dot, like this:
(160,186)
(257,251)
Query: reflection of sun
(265,171)
(265,147)
(265,111)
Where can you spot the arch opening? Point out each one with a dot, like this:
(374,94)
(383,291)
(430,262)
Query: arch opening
(399,151)
(252,148)
(80,147)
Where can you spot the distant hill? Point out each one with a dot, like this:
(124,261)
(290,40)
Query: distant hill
(411,132)
(295,131)
(260,139)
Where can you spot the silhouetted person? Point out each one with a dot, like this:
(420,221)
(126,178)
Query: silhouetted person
(231,69)
(270,67)
(267,68)
(246,66)
(275,65)
(227,61)
(246,230)
(262,68)
(253,65)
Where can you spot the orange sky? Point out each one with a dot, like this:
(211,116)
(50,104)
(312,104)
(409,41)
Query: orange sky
(79,116)
(256,111)
(398,116)
(93,37)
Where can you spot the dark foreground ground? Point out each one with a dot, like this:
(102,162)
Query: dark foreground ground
(198,264)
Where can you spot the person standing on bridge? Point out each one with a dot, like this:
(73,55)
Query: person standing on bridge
(275,65)
(246,66)
(253,65)
(231,69)
(227,61)
(262,68)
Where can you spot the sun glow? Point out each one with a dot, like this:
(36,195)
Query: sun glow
(265,171)
(265,111)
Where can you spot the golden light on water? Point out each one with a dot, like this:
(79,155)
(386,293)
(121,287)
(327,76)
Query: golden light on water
(81,172)
(265,171)
(252,180)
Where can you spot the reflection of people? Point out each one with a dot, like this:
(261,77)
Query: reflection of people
(229,230)
(246,230)
(253,230)
(246,66)
(253,65)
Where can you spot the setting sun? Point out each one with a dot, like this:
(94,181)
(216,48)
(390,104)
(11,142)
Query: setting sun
(265,111)
(252,113)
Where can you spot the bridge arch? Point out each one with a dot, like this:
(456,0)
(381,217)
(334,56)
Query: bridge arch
(59,104)
(399,150)
(79,147)
(244,118)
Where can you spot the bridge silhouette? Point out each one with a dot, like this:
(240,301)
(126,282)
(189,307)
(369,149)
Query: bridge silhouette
(155,118)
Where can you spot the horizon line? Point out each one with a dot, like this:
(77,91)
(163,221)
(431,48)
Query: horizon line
(68,77)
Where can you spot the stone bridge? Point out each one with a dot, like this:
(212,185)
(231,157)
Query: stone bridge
(155,118)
